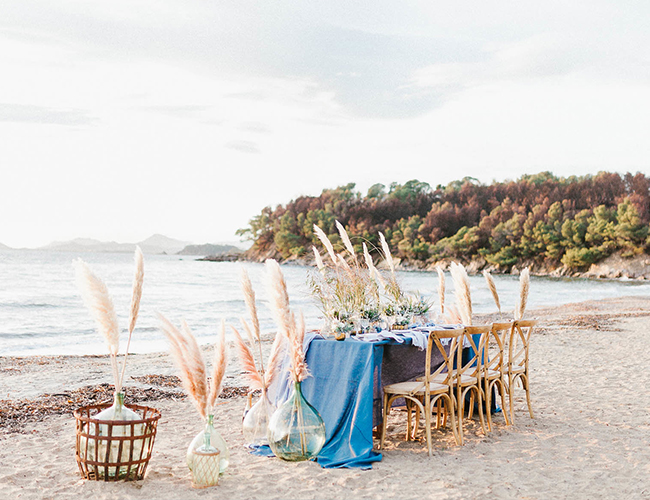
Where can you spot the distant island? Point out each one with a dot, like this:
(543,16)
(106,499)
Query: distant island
(156,244)
(593,225)
(210,250)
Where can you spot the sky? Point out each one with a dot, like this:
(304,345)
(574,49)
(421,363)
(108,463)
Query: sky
(123,119)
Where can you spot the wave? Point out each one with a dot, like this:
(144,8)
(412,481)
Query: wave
(29,305)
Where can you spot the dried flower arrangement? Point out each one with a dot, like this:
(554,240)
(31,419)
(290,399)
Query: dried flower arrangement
(98,301)
(207,454)
(353,297)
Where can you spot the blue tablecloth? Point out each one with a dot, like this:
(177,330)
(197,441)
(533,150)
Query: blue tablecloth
(345,388)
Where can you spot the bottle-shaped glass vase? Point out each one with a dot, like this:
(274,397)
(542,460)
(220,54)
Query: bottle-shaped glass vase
(215,440)
(296,430)
(206,462)
(99,449)
(256,422)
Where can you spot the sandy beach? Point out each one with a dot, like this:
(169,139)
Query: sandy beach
(590,437)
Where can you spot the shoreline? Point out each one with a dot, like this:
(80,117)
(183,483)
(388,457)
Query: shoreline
(589,438)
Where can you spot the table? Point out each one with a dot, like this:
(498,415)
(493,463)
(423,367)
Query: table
(345,388)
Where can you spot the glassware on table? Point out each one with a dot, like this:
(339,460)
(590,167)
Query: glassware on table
(296,430)
(215,440)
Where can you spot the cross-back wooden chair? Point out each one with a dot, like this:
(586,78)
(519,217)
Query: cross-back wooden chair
(494,368)
(516,362)
(469,375)
(426,393)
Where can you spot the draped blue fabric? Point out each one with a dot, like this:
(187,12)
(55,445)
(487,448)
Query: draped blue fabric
(341,388)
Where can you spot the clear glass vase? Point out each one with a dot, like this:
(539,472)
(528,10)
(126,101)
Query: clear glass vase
(100,448)
(256,422)
(215,440)
(206,461)
(296,430)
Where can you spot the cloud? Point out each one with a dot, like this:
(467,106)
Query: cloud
(24,113)
(243,146)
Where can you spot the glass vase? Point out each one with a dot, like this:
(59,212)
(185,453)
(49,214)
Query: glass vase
(215,440)
(101,448)
(256,422)
(206,461)
(296,430)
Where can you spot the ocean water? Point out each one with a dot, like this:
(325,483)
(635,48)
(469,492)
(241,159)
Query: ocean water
(41,311)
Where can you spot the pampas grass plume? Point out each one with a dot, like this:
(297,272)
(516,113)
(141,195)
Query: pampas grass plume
(319,260)
(220,361)
(524,287)
(247,361)
(346,239)
(387,255)
(493,289)
(326,242)
(462,292)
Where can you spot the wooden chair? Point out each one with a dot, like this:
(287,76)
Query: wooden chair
(494,368)
(469,376)
(516,362)
(426,393)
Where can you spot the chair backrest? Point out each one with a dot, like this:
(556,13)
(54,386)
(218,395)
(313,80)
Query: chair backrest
(518,344)
(495,344)
(447,342)
(474,337)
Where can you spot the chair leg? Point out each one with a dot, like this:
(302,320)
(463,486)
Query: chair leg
(416,425)
(524,380)
(488,405)
(384,423)
(461,410)
(511,397)
(409,409)
(504,410)
(427,423)
(454,426)
(479,396)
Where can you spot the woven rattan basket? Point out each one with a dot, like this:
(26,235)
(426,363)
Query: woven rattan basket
(114,451)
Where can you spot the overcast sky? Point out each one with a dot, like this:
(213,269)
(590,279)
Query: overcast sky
(126,118)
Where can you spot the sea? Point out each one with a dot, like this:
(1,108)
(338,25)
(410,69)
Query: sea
(42,313)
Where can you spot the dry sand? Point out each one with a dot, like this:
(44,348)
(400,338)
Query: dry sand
(590,437)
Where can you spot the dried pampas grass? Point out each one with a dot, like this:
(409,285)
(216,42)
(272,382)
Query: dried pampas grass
(136,295)
(524,287)
(275,358)
(346,240)
(326,242)
(493,289)
(279,296)
(292,330)
(374,273)
(219,363)
(98,301)
(462,292)
(319,260)
(298,370)
(255,379)
(192,368)
(387,255)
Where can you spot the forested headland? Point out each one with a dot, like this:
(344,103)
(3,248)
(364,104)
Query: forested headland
(552,224)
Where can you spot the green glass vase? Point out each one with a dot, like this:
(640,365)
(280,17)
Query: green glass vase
(215,440)
(296,430)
